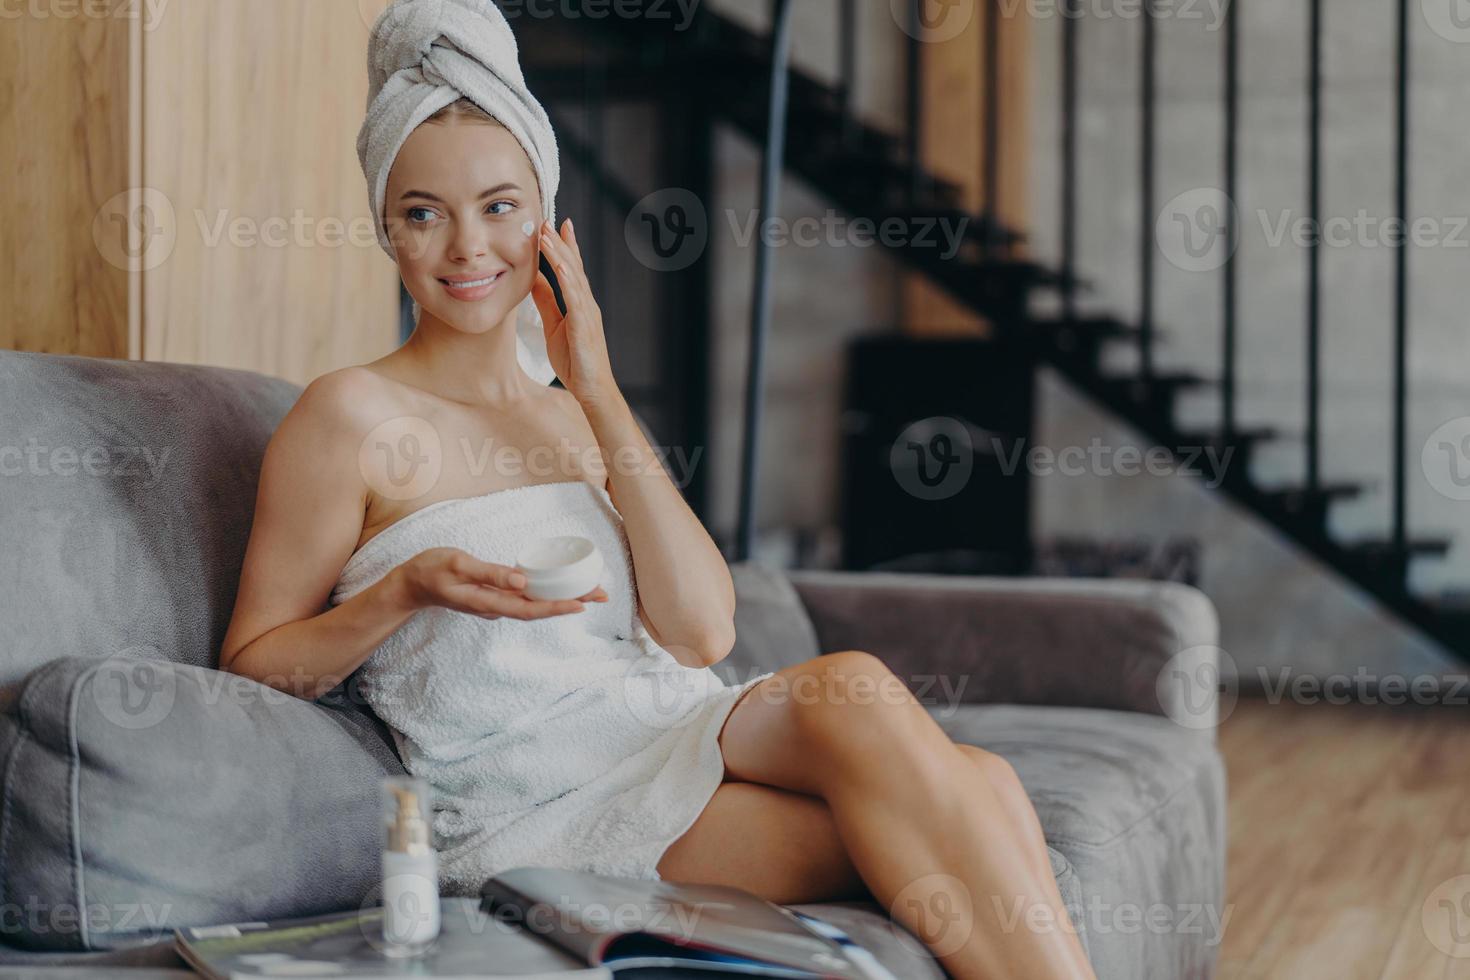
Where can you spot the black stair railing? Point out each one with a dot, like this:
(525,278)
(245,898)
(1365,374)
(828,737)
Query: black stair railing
(1148,151)
(1313,386)
(772,165)
(1231,218)
(854,163)
(1401,285)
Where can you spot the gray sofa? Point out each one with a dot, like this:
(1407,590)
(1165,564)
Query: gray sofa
(145,790)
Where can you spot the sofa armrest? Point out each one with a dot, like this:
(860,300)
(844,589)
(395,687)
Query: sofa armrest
(1105,643)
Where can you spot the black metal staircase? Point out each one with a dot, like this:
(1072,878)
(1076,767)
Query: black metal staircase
(873,174)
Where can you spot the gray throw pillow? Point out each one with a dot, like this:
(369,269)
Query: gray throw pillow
(141,795)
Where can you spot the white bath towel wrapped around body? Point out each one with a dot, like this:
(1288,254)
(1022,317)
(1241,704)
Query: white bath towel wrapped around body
(574,741)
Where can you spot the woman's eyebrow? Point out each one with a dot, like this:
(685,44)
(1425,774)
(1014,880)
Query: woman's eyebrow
(483,194)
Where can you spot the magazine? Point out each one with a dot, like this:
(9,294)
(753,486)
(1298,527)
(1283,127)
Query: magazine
(471,945)
(650,925)
(538,923)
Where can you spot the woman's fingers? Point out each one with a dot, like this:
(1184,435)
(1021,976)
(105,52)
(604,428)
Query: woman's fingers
(564,241)
(545,300)
(575,289)
(519,607)
(492,574)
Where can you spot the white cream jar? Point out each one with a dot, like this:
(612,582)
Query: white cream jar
(563,567)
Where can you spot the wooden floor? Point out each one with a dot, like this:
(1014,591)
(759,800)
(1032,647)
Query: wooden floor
(1349,854)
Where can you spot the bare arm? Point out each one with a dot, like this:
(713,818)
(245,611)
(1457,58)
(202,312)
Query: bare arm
(309,511)
(684,585)
(308,517)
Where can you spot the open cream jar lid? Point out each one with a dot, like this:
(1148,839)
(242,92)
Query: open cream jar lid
(566,566)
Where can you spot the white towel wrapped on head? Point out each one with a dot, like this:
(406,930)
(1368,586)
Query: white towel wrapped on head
(425,54)
(574,741)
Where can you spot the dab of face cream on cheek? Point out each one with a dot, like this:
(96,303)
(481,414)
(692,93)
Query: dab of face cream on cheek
(528,229)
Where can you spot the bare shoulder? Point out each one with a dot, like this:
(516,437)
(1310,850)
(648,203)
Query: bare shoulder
(347,399)
(571,420)
(567,404)
(318,440)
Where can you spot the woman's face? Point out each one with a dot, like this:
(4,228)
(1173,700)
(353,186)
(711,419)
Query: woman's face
(458,200)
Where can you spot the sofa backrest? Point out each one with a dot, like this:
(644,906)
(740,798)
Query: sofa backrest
(127,490)
(126,495)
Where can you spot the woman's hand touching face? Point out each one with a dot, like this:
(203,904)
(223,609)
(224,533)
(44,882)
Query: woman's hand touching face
(575,341)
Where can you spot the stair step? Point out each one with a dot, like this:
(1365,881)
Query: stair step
(1179,379)
(1247,436)
(1383,559)
(1104,325)
(1374,548)
(1081,339)
(1454,611)
(1157,392)
(1310,505)
(1141,390)
(1296,497)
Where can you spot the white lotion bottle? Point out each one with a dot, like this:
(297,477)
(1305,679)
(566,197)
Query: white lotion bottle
(410,869)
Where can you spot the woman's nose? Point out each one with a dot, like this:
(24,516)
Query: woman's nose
(470,242)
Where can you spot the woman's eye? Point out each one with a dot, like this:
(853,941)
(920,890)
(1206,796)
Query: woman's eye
(508,206)
(414,212)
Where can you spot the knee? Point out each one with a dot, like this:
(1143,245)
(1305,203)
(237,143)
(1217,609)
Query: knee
(997,771)
(853,693)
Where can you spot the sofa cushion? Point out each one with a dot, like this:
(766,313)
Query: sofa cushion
(129,491)
(141,795)
(1136,803)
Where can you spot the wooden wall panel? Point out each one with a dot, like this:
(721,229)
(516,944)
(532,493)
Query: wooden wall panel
(63,153)
(952,144)
(182,185)
(250,116)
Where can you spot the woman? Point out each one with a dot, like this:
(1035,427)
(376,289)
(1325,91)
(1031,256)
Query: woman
(589,732)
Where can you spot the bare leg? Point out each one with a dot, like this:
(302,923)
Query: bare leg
(1002,776)
(943,851)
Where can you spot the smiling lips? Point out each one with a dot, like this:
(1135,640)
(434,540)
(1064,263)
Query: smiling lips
(469,288)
